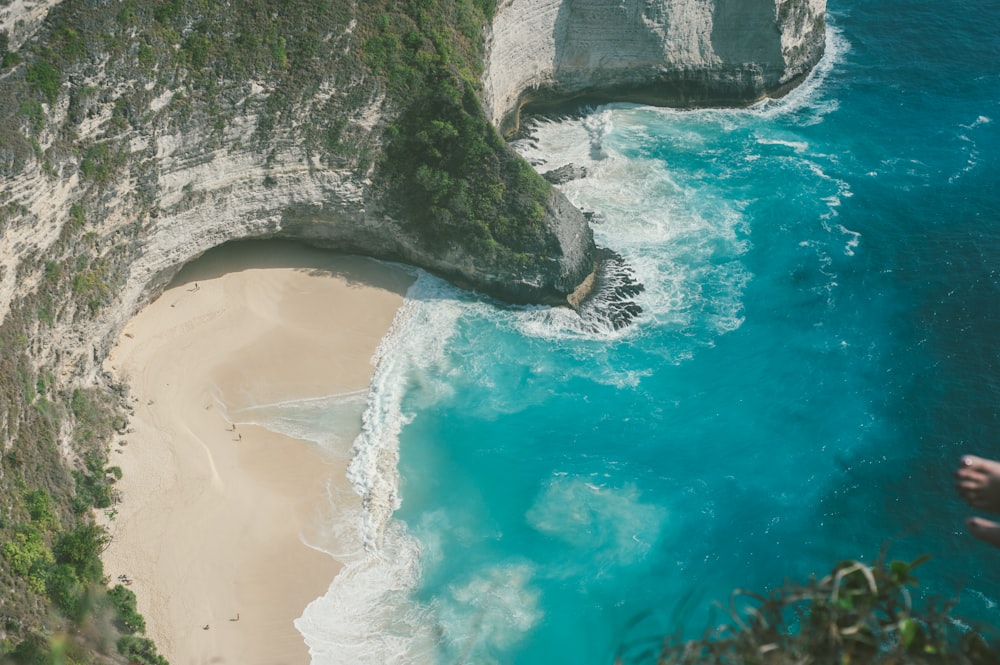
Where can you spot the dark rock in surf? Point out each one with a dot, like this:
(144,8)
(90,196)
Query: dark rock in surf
(565,174)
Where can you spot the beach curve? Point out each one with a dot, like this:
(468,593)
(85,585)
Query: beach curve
(217,513)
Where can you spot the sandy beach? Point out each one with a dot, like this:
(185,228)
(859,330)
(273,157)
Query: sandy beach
(216,512)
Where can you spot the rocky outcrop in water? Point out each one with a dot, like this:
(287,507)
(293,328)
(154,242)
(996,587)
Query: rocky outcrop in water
(610,304)
(565,173)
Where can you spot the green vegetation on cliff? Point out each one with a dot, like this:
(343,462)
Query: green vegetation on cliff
(56,607)
(447,169)
(438,161)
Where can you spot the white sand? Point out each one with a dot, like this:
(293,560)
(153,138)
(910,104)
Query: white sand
(213,520)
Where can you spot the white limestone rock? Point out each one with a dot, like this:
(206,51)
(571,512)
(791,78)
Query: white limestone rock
(673,52)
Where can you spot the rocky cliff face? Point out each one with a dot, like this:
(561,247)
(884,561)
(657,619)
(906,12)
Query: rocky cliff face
(668,52)
(20,19)
(122,179)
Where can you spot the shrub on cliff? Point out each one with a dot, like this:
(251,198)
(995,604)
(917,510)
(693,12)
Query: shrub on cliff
(50,566)
(447,171)
(858,613)
(455,179)
(140,651)
(124,602)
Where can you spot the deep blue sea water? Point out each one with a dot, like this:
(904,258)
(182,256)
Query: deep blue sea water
(820,343)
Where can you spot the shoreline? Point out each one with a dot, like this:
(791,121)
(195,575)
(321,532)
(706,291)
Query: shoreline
(217,513)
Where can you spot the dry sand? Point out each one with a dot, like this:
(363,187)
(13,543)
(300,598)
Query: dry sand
(213,520)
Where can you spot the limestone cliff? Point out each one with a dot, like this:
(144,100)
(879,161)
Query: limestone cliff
(122,163)
(668,52)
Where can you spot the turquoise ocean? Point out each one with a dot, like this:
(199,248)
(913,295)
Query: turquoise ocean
(820,342)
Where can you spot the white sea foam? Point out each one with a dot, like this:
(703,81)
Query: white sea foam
(368,614)
(798,146)
(612,524)
(808,99)
(969,148)
(415,342)
(833,203)
(675,236)
(490,611)
(853,239)
(980,120)
(330,422)
(988,602)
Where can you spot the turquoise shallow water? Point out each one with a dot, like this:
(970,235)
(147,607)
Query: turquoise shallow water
(819,345)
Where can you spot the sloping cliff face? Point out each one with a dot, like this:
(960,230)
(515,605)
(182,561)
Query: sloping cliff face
(668,52)
(191,189)
(20,19)
(120,169)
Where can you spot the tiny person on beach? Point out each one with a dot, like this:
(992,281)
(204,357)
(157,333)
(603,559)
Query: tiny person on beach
(978,483)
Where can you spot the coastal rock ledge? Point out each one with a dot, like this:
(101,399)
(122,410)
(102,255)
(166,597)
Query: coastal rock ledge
(124,169)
